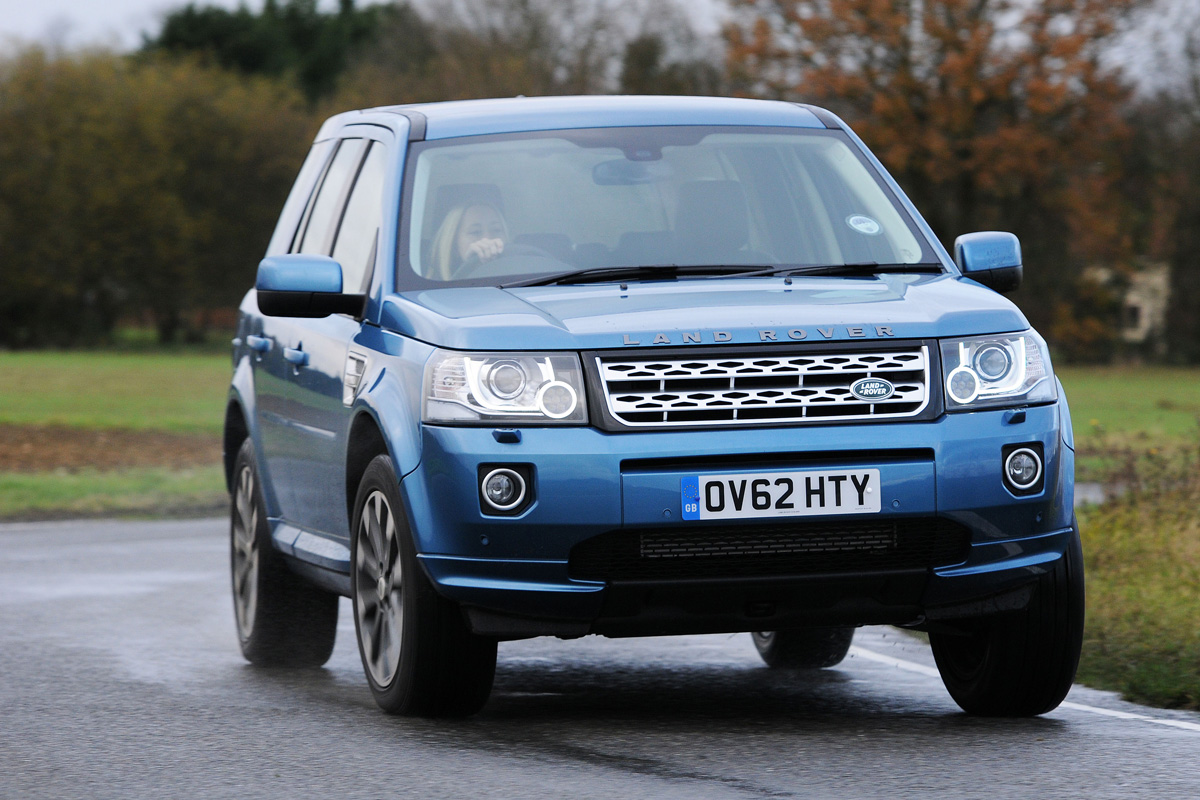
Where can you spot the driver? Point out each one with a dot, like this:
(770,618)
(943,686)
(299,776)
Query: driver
(472,232)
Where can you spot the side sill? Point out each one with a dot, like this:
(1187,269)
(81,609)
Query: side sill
(311,548)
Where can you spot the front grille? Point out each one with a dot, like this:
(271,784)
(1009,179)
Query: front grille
(803,548)
(741,390)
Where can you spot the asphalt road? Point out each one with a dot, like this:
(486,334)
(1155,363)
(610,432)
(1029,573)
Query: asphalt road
(120,677)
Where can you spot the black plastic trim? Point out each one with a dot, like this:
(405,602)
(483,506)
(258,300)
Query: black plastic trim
(1038,450)
(416,123)
(827,118)
(799,458)
(311,305)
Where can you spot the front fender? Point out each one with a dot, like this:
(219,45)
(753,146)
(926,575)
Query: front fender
(390,392)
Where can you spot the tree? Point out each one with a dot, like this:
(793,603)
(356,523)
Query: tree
(134,189)
(294,40)
(991,114)
(498,48)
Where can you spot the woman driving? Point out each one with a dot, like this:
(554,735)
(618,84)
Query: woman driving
(470,233)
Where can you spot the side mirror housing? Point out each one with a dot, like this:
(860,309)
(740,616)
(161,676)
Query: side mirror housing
(299,285)
(991,257)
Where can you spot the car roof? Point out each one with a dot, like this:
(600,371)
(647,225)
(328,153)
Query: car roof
(519,114)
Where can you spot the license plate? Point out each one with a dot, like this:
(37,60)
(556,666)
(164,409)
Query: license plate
(780,494)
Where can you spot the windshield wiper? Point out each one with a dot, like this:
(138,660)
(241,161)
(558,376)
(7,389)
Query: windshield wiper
(857,268)
(671,271)
(665,272)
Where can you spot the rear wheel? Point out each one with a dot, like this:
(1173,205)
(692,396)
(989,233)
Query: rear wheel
(282,620)
(419,656)
(1019,664)
(804,648)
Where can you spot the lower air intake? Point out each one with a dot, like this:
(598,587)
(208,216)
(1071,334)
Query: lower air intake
(804,548)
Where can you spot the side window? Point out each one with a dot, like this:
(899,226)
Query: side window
(356,238)
(328,202)
(297,201)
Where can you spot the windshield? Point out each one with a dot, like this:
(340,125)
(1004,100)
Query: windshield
(489,209)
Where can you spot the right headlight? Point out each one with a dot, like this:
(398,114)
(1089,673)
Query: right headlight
(989,371)
(504,388)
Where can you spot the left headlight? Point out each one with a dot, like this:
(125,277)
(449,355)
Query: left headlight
(490,388)
(989,371)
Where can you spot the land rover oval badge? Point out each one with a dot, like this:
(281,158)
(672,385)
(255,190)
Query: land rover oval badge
(872,390)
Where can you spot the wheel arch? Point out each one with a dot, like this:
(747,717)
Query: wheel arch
(236,431)
(366,441)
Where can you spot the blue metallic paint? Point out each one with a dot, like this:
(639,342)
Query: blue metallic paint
(517,564)
(601,316)
(296,272)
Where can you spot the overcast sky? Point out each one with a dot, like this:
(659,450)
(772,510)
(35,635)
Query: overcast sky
(1152,52)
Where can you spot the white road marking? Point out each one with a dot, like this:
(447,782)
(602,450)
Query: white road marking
(921,669)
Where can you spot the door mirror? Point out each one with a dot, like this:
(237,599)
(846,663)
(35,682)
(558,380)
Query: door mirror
(991,257)
(299,285)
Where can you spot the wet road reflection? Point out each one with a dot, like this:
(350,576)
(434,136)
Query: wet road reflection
(122,679)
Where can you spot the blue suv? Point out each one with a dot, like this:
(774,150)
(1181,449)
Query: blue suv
(640,366)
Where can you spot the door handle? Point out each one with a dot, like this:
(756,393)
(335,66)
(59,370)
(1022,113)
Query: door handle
(259,343)
(295,357)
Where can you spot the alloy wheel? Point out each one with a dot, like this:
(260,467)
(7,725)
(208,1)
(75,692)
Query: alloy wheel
(245,553)
(377,589)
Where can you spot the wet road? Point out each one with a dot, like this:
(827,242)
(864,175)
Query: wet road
(120,678)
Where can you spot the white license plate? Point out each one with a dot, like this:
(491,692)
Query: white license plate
(780,494)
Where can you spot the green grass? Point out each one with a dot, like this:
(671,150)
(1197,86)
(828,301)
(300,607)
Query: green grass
(1151,406)
(131,492)
(183,393)
(1142,556)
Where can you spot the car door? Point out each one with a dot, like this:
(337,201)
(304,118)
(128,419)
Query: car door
(345,222)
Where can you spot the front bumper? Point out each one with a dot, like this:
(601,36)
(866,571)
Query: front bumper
(512,573)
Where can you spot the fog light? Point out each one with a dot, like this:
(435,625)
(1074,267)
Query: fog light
(503,489)
(1023,468)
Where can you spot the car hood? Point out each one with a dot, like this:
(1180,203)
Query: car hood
(706,311)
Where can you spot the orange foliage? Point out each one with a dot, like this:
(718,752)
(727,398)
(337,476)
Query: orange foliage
(974,103)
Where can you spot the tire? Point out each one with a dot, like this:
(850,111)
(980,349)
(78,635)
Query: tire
(1020,664)
(419,656)
(282,620)
(804,648)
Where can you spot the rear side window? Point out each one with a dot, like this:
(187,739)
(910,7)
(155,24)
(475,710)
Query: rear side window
(293,209)
(323,214)
(359,231)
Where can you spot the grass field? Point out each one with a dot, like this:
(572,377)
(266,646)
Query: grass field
(1142,556)
(141,392)
(1133,406)
(182,393)
(135,492)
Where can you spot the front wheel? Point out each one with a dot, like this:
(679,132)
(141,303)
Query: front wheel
(1020,664)
(418,654)
(804,648)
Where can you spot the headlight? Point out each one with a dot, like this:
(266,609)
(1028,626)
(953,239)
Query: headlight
(989,371)
(488,388)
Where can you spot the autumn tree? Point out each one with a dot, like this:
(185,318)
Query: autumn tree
(993,114)
(498,48)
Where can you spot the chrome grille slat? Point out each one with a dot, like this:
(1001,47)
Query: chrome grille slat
(739,390)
